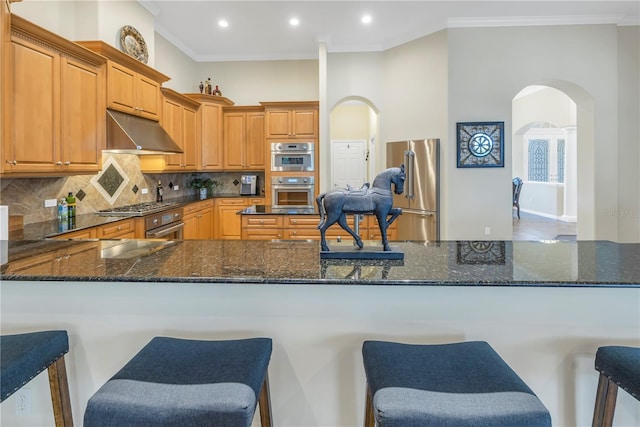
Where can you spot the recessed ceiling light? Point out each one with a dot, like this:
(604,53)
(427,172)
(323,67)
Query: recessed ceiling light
(294,22)
(223,23)
(366,19)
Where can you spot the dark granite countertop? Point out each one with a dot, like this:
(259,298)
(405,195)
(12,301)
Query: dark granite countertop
(54,228)
(459,263)
(270,210)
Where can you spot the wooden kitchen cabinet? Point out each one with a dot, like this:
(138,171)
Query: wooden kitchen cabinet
(5,88)
(305,227)
(179,119)
(198,220)
(244,138)
(132,87)
(262,227)
(287,120)
(86,233)
(123,229)
(210,125)
(76,260)
(228,222)
(55,121)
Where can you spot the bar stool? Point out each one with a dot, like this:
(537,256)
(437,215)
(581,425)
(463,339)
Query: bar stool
(619,367)
(179,382)
(459,384)
(23,356)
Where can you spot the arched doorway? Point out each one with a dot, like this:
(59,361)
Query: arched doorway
(544,154)
(353,133)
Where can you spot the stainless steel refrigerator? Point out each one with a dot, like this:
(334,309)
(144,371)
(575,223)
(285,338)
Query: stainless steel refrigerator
(420,201)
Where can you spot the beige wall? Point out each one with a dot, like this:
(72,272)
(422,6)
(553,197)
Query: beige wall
(172,62)
(249,82)
(101,20)
(628,210)
(350,122)
(505,60)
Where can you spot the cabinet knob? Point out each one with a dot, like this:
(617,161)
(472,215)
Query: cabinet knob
(59,163)
(293,221)
(119,228)
(261,222)
(279,236)
(67,163)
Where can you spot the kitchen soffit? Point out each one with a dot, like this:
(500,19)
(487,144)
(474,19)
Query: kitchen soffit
(260,30)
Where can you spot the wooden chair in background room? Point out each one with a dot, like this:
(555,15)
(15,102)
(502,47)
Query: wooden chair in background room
(517,186)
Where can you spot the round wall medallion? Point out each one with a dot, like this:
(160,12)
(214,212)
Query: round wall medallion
(480,144)
(132,43)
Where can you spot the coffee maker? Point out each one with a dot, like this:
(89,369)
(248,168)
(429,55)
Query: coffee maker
(248,185)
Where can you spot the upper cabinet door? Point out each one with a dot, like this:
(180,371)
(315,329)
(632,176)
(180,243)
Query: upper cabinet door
(212,127)
(291,120)
(148,98)
(279,124)
(121,88)
(189,137)
(234,137)
(304,123)
(82,115)
(255,142)
(172,123)
(35,128)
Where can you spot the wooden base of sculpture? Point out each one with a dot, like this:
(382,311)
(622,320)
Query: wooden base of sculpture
(352,252)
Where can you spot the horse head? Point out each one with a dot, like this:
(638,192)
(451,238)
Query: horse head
(398,180)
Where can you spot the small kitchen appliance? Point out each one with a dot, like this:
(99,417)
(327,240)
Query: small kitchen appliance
(248,185)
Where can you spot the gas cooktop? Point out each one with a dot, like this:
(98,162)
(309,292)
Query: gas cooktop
(139,209)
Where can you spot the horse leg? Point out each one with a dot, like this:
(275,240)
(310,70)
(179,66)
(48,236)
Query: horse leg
(383,224)
(329,219)
(395,213)
(342,220)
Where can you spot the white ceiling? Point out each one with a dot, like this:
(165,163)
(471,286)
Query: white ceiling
(260,30)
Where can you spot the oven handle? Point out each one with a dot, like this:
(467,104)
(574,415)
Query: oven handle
(165,231)
(291,187)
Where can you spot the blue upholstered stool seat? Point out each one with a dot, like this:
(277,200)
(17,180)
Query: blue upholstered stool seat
(459,384)
(178,382)
(619,367)
(23,356)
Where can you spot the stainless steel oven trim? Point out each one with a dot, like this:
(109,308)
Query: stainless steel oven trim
(165,231)
(308,189)
(292,168)
(305,149)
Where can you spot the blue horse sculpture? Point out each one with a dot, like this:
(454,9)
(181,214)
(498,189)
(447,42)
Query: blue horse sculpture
(334,205)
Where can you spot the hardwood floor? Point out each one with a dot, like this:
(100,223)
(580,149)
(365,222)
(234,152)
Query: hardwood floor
(534,227)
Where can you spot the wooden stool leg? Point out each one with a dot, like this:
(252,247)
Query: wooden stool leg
(369,420)
(605,402)
(264,401)
(60,393)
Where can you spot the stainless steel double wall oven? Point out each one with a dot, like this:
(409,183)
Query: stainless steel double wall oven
(289,190)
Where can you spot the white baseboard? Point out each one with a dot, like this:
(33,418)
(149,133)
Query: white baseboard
(563,218)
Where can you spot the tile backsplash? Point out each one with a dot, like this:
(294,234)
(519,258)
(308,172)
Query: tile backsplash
(120,183)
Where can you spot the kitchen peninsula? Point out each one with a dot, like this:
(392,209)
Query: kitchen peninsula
(544,306)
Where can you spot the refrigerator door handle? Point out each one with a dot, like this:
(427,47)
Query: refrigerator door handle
(409,162)
(421,213)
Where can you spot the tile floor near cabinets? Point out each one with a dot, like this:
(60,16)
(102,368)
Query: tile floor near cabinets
(534,227)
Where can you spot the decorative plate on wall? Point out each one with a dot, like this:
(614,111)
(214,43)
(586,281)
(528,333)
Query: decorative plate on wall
(132,43)
(480,144)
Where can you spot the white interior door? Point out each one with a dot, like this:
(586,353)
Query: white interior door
(348,163)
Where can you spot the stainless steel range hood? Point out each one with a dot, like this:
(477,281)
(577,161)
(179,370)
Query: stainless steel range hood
(136,135)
